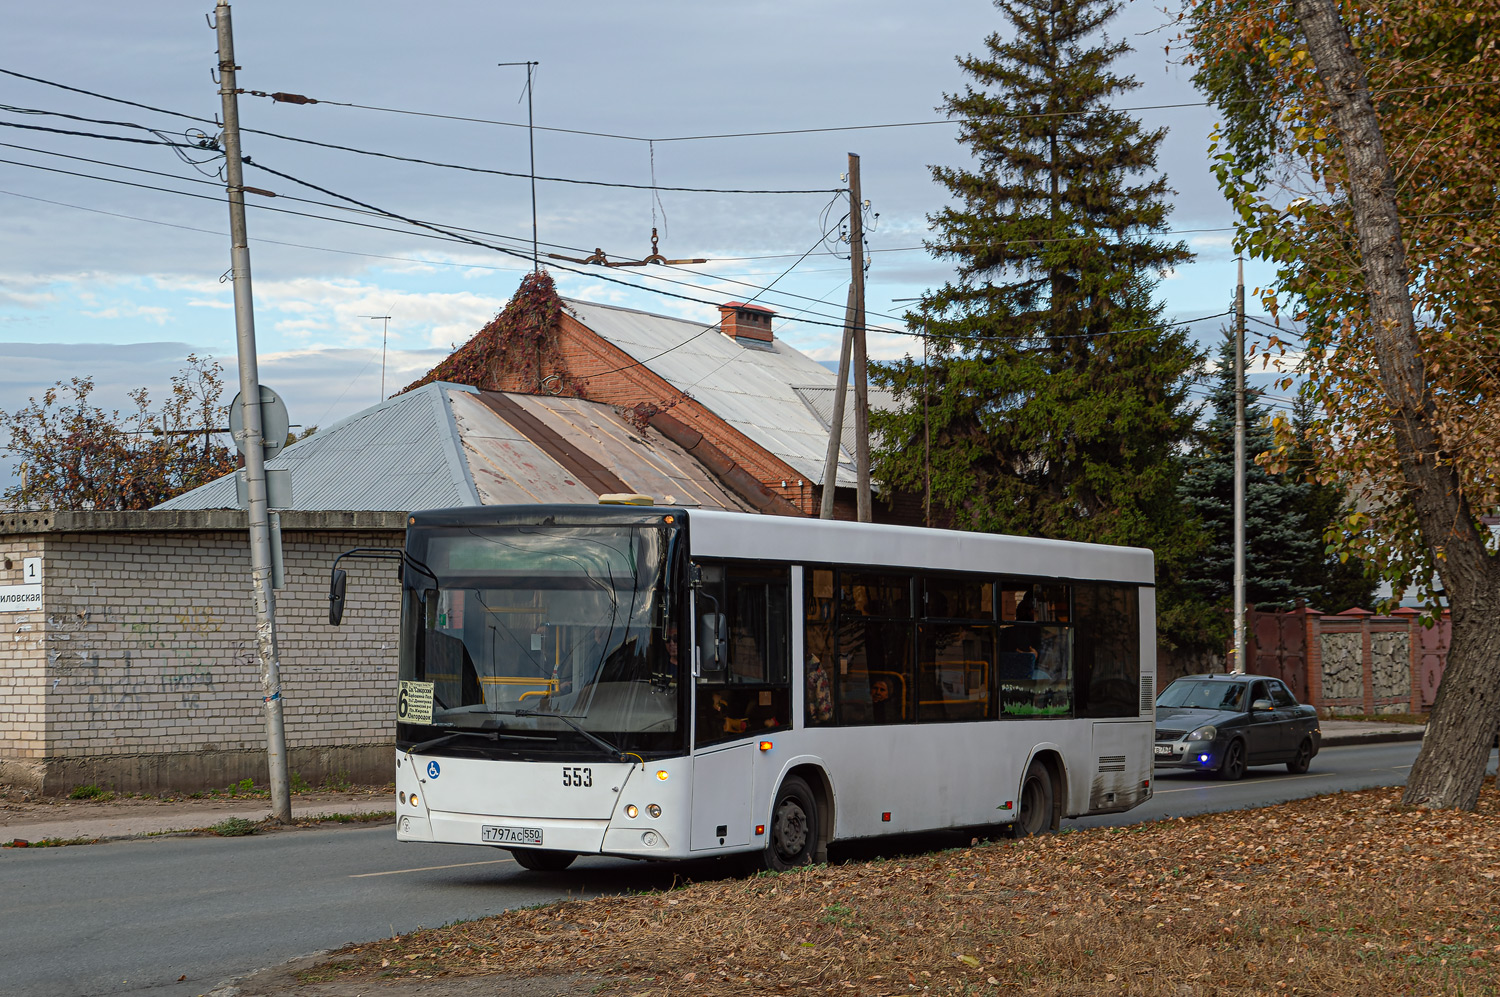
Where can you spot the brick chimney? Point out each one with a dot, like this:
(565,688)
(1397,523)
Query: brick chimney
(746,322)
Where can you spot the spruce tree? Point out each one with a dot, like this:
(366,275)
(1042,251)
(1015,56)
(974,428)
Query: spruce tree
(1281,550)
(1333,579)
(1053,397)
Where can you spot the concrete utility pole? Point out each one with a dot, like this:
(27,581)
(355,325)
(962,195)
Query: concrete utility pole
(255,461)
(1239,472)
(857,325)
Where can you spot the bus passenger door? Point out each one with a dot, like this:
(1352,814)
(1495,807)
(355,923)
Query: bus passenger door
(742,691)
(721,796)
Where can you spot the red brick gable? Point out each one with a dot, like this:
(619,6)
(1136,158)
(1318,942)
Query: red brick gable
(534,346)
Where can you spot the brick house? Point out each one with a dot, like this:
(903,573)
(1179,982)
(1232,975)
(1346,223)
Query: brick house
(762,406)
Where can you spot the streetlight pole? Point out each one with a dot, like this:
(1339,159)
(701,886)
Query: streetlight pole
(1239,472)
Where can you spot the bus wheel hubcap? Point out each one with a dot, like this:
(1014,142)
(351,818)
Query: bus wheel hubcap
(791,829)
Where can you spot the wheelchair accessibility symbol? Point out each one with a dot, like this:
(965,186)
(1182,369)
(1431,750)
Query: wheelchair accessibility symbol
(433,770)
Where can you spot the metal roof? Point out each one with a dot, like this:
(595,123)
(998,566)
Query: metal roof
(819,398)
(763,391)
(529,465)
(398,455)
(450,445)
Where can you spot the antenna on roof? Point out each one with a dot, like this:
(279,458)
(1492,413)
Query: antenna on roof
(531,143)
(384,328)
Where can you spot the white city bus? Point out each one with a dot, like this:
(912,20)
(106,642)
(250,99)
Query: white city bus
(665,683)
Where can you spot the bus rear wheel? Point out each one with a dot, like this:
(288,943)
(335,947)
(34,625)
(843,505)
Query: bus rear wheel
(1037,802)
(542,859)
(794,827)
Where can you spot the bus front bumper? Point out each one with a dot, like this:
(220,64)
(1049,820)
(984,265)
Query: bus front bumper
(634,839)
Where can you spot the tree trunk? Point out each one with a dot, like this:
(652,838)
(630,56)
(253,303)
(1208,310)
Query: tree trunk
(1450,769)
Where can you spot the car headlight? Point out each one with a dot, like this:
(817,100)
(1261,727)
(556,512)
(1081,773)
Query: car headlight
(1205,733)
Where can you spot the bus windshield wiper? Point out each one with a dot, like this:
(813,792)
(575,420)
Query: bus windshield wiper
(492,735)
(598,741)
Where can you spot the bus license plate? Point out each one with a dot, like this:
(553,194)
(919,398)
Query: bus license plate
(1163,749)
(495,834)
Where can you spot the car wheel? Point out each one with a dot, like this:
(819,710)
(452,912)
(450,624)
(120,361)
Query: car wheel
(1302,759)
(1037,798)
(794,827)
(1234,761)
(542,859)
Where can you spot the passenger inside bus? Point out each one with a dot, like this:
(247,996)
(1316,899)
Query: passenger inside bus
(882,710)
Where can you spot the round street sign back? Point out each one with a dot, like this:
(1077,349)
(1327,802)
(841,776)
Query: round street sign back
(274,422)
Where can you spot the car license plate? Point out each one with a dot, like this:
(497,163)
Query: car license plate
(497,834)
(1163,749)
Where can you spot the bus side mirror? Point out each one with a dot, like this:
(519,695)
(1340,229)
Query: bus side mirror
(336,588)
(712,644)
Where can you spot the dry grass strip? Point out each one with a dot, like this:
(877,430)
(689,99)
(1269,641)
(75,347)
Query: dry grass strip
(1343,895)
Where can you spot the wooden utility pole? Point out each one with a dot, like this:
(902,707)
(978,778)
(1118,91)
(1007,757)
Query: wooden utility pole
(257,505)
(836,423)
(856,324)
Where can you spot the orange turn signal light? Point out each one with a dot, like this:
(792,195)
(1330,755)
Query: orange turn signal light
(760,829)
(766,745)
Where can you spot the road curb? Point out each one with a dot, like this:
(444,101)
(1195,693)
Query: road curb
(1372,737)
(279,978)
(72,831)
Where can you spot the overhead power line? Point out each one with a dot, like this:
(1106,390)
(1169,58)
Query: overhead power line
(211,144)
(592,275)
(707,136)
(451,234)
(770,133)
(111,138)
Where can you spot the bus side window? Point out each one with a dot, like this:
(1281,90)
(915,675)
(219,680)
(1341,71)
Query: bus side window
(874,682)
(1108,653)
(817,654)
(953,665)
(751,693)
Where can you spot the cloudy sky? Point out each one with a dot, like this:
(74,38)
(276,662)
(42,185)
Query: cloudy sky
(113,255)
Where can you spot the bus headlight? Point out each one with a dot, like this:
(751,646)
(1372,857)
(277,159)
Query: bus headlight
(653,810)
(632,811)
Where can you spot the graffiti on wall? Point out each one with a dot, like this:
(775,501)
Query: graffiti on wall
(130,658)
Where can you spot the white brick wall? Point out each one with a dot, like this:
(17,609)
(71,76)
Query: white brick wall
(21,694)
(146,646)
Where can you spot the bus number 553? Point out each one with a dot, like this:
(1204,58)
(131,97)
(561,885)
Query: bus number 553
(576,776)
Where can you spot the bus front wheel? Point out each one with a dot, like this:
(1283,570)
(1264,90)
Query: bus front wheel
(794,827)
(542,859)
(1037,796)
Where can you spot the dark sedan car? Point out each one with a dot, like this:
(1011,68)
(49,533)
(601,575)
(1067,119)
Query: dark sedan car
(1226,723)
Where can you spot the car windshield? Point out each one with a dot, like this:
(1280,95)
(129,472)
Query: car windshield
(524,622)
(1197,694)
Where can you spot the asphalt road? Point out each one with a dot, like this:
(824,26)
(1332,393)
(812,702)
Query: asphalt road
(132,917)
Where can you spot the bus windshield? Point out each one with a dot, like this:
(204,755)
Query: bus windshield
(543,631)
